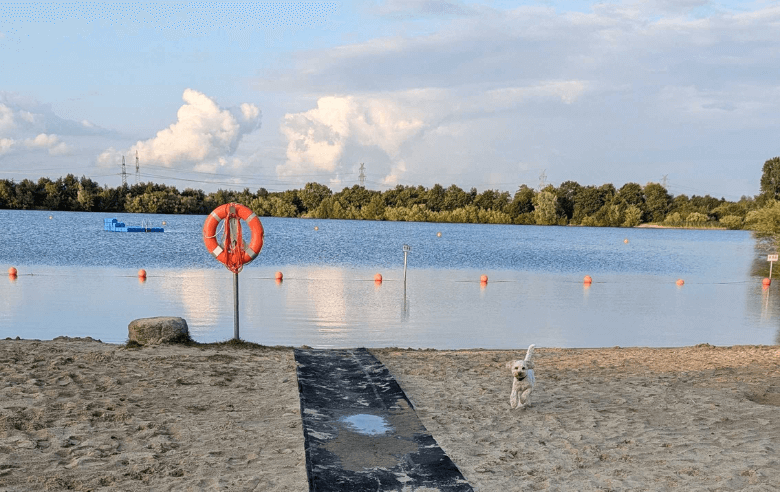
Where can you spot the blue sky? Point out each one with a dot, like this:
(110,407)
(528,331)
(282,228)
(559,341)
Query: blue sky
(487,94)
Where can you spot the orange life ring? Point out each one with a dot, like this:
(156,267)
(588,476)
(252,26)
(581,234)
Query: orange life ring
(233,254)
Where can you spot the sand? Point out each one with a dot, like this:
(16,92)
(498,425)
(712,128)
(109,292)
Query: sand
(83,415)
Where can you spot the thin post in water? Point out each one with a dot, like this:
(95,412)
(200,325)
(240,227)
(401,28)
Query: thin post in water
(406,251)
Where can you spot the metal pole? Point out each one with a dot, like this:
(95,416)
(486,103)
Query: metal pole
(770,268)
(235,306)
(405,253)
(406,250)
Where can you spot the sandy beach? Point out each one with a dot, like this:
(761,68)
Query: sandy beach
(78,414)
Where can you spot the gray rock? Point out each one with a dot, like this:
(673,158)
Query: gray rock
(161,329)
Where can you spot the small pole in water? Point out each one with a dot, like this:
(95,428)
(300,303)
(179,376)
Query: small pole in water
(406,251)
(235,306)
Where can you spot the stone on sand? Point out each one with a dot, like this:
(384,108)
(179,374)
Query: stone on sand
(157,330)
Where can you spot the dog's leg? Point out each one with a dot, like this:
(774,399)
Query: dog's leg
(525,398)
(513,396)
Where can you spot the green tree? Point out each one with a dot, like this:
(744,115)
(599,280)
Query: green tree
(611,214)
(375,210)
(434,199)
(696,218)
(25,194)
(673,219)
(770,180)
(732,222)
(547,210)
(587,202)
(312,195)
(455,198)
(523,202)
(766,220)
(567,192)
(69,188)
(87,194)
(261,206)
(282,208)
(657,202)
(7,194)
(632,216)
(631,194)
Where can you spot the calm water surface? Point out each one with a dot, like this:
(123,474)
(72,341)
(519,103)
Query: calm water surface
(77,280)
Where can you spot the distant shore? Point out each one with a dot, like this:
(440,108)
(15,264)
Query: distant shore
(659,226)
(80,414)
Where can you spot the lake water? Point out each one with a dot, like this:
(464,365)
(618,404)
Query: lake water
(76,279)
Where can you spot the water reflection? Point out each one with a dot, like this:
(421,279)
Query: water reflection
(326,291)
(332,307)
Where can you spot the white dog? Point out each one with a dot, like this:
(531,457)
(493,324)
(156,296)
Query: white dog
(523,380)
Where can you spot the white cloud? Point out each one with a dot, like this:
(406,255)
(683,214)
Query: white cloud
(109,158)
(385,127)
(566,91)
(50,142)
(221,163)
(318,138)
(6,117)
(203,132)
(250,112)
(6,144)
(396,172)
(42,140)
(27,116)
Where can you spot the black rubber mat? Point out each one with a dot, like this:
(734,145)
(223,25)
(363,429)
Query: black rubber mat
(361,430)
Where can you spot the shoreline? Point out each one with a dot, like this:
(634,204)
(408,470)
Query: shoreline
(658,226)
(84,414)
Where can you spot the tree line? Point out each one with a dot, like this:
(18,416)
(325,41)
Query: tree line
(568,204)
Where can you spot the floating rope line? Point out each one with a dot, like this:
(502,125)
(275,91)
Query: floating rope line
(360,279)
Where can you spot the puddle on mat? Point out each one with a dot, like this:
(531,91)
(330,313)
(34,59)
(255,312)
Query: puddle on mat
(371,425)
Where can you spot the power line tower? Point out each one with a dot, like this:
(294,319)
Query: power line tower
(362,175)
(124,173)
(542,180)
(665,181)
(137,169)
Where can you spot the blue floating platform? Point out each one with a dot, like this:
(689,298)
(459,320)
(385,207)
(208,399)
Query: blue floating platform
(115,226)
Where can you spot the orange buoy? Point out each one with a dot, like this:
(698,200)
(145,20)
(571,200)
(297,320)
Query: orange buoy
(680,281)
(378,278)
(164,223)
(141,273)
(587,280)
(625,241)
(279,276)
(483,279)
(766,281)
(316,228)
(12,272)
(438,234)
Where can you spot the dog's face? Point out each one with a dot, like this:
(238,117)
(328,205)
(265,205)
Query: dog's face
(520,368)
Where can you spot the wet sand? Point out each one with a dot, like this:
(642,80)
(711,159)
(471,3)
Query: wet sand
(84,415)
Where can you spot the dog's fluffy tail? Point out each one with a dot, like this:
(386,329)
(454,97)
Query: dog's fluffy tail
(530,352)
